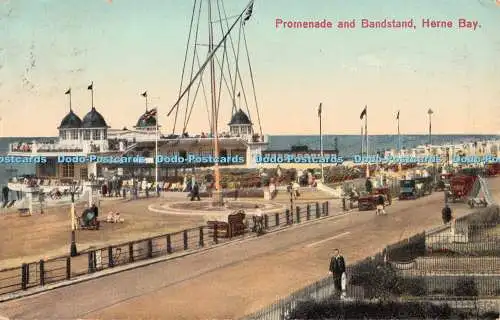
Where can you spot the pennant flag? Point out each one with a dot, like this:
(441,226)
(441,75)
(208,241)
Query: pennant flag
(238,95)
(319,109)
(91,86)
(68,91)
(430,111)
(145,94)
(397,117)
(363,114)
(249,12)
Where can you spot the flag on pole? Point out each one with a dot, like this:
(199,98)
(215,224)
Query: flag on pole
(430,111)
(248,14)
(91,86)
(150,113)
(319,109)
(363,113)
(68,91)
(397,116)
(145,94)
(238,95)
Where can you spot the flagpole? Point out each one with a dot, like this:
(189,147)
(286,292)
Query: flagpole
(320,113)
(70,108)
(399,137)
(399,147)
(156,150)
(366,145)
(92,92)
(362,138)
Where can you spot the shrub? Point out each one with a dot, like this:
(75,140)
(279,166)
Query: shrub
(408,250)
(466,288)
(379,279)
(489,215)
(413,286)
(334,309)
(491,315)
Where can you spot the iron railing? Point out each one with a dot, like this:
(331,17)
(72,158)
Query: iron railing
(43,272)
(458,279)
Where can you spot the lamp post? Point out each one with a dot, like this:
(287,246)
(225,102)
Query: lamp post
(430,112)
(73,251)
(290,190)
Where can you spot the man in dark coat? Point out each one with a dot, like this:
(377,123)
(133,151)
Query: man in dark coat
(380,205)
(446,214)
(5,192)
(337,268)
(368,185)
(195,192)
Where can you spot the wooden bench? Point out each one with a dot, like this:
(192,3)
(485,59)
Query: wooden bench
(234,227)
(222,228)
(236,223)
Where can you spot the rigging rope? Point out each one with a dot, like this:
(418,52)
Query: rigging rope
(244,96)
(253,82)
(194,100)
(231,92)
(237,60)
(222,75)
(210,56)
(220,87)
(205,95)
(192,65)
(185,60)
(234,55)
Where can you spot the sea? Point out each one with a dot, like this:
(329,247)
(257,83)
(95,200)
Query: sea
(348,145)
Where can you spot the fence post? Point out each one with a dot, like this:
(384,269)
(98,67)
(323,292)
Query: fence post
(169,244)
(266,221)
(215,234)
(111,263)
(297,210)
(24,273)
(42,272)
(201,242)
(27,273)
(317,210)
(185,236)
(277,219)
(327,208)
(150,248)
(308,212)
(287,214)
(92,262)
(68,268)
(131,252)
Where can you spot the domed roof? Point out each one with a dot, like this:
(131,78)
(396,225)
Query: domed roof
(146,120)
(240,117)
(94,119)
(70,121)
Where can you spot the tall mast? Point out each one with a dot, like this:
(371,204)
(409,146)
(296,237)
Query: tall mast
(215,117)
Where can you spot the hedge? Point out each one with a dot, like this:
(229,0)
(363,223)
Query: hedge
(336,309)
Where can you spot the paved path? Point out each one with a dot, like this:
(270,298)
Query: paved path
(228,282)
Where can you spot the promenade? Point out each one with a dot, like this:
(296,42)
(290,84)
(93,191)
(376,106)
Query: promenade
(231,281)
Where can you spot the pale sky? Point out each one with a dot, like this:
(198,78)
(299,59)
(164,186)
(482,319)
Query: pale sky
(128,46)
